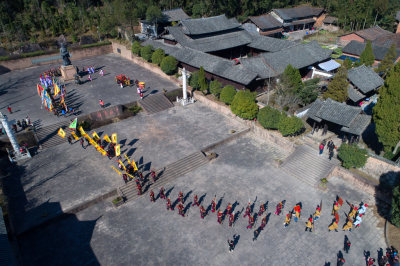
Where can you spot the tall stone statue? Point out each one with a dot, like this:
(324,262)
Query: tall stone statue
(65,55)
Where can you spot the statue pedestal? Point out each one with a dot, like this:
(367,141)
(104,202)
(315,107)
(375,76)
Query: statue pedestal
(68,72)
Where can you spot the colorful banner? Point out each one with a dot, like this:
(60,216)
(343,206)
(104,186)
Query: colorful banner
(83,133)
(127,159)
(56,89)
(114,138)
(122,164)
(74,123)
(116,170)
(95,136)
(106,138)
(61,133)
(117,150)
(39,89)
(134,165)
(74,135)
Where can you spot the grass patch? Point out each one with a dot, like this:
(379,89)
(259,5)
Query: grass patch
(117,200)
(134,109)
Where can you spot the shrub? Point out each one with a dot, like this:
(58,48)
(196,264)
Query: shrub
(157,56)
(194,80)
(227,94)
(146,52)
(135,109)
(203,81)
(85,125)
(215,87)
(352,156)
(269,117)
(244,105)
(395,211)
(169,65)
(136,48)
(290,125)
(95,44)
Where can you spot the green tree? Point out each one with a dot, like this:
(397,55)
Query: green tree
(367,56)
(309,91)
(227,94)
(153,14)
(215,87)
(136,48)
(290,125)
(352,156)
(337,88)
(194,80)
(347,63)
(291,79)
(386,111)
(388,61)
(199,10)
(395,211)
(270,117)
(244,105)
(146,52)
(157,56)
(203,81)
(169,65)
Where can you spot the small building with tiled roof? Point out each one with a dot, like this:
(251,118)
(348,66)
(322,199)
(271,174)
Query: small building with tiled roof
(338,116)
(287,19)
(370,34)
(354,49)
(363,82)
(174,15)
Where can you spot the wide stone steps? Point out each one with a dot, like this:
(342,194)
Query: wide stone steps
(48,135)
(169,173)
(155,103)
(307,165)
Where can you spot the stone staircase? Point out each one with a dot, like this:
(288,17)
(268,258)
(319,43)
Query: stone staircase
(169,173)
(307,165)
(155,103)
(48,135)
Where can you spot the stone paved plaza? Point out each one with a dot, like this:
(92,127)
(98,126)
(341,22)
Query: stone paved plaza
(18,88)
(144,233)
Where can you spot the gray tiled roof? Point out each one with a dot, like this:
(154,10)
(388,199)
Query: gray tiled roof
(335,112)
(269,44)
(373,33)
(266,22)
(212,64)
(330,19)
(354,94)
(176,14)
(356,48)
(359,124)
(219,42)
(298,12)
(257,64)
(364,78)
(299,56)
(208,25)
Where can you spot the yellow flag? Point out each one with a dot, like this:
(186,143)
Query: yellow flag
(131,176)
(62,100)
(61,133)
(83,133)
(116,170)
(74,135)
(117,150)
(134,165)
(127,159)
(122,164)
(101,150)
(56,89)
(106,138)
(95,136)
(114,138)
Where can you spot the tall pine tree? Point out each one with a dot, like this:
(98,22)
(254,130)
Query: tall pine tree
(367,56)
(386,111)
(337,88)
(388,61)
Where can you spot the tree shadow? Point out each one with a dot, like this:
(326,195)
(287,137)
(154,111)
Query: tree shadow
(384,192)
